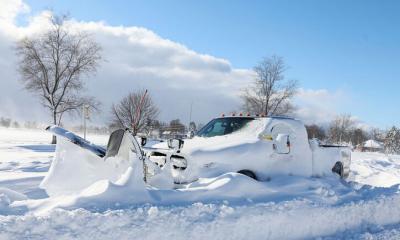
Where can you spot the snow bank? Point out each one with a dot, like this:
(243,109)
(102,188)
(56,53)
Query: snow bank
(74,169)
(298,219)
(375,169)
(7,197)
(238,189)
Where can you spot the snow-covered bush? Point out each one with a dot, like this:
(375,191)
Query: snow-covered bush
(392,140)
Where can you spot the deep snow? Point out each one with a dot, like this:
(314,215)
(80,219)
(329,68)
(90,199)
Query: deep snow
(235,208)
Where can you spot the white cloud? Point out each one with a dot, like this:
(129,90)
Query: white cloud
(318,106)
(137,58)
(9,9)
(321,106)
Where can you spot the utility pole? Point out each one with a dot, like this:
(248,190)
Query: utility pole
(190,115)
(190,131)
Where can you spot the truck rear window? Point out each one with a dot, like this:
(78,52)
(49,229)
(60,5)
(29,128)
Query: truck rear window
(223,126)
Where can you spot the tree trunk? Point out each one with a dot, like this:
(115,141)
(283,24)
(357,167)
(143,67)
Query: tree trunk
(54,139)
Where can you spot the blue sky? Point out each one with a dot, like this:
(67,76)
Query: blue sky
(347,46)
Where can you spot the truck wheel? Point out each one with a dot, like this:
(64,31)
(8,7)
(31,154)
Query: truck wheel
(338,169)
(248,173)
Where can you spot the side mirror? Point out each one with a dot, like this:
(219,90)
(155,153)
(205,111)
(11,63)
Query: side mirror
(282,144)
(143,141)
(175,143)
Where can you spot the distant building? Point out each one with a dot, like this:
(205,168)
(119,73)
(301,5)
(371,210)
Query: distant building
(372,146)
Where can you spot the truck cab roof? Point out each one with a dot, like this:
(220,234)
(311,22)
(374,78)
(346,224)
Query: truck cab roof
(228,124)
(257,116)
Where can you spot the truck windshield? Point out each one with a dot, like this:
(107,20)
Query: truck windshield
(223,126)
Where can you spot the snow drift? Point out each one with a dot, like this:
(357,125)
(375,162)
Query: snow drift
(286,207)
(74,169)
(296,219)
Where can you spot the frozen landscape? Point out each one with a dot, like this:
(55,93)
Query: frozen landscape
(213,119)
(365,206)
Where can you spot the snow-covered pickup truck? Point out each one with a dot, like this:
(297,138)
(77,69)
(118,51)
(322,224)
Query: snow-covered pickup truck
(259,147)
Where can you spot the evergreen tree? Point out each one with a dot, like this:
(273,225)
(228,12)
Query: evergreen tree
(392,140)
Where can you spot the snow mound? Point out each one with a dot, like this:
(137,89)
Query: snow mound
(7,197)
(74,169)
(375,169)
(298,219)
(130,191)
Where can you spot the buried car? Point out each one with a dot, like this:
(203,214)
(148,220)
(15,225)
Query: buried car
(259,147)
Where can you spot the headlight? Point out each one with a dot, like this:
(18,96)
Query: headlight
(157,158)
(178,162)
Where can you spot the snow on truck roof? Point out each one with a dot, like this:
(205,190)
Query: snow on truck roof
(256,116)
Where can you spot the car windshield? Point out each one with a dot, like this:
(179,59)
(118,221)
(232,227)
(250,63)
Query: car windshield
(223,126)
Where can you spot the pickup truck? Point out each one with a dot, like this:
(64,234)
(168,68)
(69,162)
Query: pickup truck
(258,147)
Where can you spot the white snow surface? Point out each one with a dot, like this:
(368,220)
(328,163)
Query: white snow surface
(230,206)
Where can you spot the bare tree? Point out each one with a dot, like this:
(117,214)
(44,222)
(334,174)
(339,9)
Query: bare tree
(52,65)
(358,136)
(340,129)
(270,93)
(315,131)
(377,134)
(177,127)
(135,111)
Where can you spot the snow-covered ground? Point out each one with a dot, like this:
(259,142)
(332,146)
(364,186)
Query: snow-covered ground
(230,206)
(375,169)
